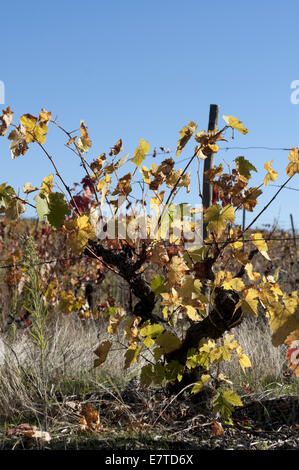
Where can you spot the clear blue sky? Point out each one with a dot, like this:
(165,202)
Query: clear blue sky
(135,69)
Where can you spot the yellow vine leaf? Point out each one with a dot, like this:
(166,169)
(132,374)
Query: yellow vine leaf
(232,397)
(224,352)
(244,360)
(269,293)
(253,276)
(149,332)
(36,128)
(102,352)
(229,343)
(177,270)
(199,385)
(45,116)
(29,122)
(140,152)
(197,288)
(103,183)
(250,303)
(157,201)
(192,313)
(235,123)
(29,188)
(115,320)
(132,355)
(71,141)
(237,245)
(152,330)
(235,284)
(40,132)
(271,175)
(293,166)
(213,147)
(221,276)
(207,346)
(284,318)
(146,173)
(172,298)
(84,142)
(47,185)
(131,331)
(224,378)
(80,231)
(186,133)
(216,217)
(260,244)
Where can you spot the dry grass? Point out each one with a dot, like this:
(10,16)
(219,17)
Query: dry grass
(68,366)
(69,360)
(269,365)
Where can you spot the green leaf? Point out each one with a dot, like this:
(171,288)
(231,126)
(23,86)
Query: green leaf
(158,352)
(232,397)
(14,209)
(132,356)
(152,330)
(102,352)
(244,167)
(168,342)
(174,371)
(148,341)
(224,402)
(6,193)
(196,359)
(42,206)
(58,209)
(147,375)
(157,284)
(199,385)
(159,373)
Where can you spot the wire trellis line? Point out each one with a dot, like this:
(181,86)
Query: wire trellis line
(250,147)
(255,148)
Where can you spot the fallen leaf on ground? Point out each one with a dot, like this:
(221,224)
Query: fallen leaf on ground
(21,430)
(217,428)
